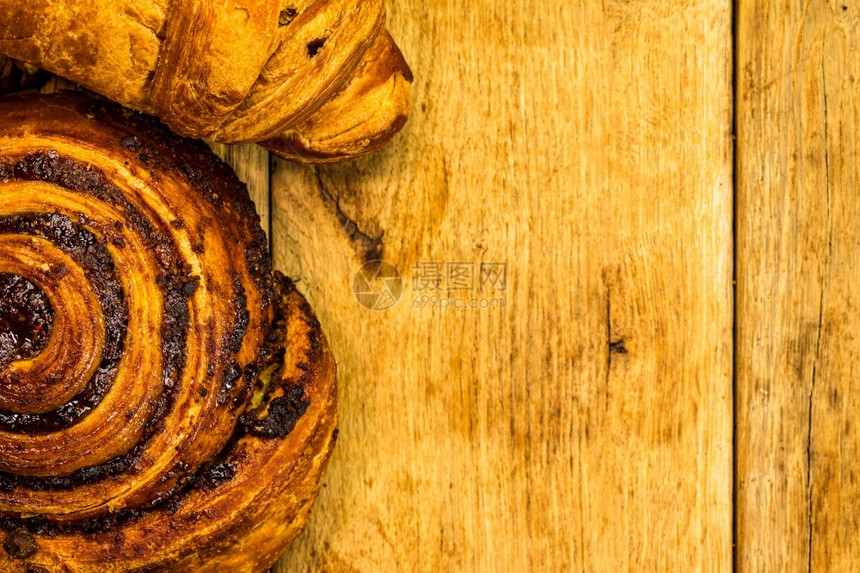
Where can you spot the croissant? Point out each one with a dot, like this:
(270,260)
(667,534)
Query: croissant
(315,81)
(167,401)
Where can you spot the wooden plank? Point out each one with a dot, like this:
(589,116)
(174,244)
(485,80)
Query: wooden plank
(587,424)
(798,262)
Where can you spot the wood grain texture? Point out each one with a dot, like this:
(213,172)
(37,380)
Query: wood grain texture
(798,488)
(587,425)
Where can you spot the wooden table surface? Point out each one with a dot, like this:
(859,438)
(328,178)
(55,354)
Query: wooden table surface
(625,341)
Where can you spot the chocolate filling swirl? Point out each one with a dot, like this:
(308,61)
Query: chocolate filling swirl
(26,318)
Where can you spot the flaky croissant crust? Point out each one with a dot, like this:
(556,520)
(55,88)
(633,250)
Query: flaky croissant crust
(180,411)
(313,80)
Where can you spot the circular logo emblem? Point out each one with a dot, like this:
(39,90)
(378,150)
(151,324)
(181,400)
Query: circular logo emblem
(377,285)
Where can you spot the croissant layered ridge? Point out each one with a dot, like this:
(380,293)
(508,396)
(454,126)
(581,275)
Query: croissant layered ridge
(316,81)
(167,400)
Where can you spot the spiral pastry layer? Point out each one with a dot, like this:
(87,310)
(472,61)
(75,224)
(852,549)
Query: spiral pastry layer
(315,81)
(167,401)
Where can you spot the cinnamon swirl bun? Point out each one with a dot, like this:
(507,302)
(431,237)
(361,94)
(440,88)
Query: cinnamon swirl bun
(167,401)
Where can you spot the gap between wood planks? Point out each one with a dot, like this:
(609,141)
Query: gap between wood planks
(735,170)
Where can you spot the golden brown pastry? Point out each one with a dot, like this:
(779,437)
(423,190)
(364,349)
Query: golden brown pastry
(167,401)
(315,81)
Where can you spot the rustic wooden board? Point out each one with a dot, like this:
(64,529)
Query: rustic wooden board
(585,420)
(587,424)
(798,208)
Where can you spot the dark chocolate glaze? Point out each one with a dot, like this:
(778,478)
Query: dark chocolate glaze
(20,544)
(26,319)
